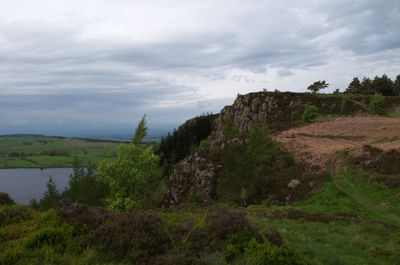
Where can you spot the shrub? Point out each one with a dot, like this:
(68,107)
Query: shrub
(137,237)
(50,197)
(14,215)
(204,144)
(237,244)
(377,104)
(264,253)
(82,180)
(5,199)
(310,113)
(48,236)
(224,222)
(229,129)
(82,216)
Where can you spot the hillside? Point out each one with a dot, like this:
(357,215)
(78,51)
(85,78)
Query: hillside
(42,151)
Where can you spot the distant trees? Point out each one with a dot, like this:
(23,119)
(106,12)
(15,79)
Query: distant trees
(317,86)
(381,85)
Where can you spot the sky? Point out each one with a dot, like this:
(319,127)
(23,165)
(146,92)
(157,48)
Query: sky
(81,67)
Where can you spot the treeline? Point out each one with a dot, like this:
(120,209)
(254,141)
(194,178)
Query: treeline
(176,146)
(379,85)
(83,187)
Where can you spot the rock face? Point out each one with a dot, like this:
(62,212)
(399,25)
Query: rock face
(194,177)
(281,110)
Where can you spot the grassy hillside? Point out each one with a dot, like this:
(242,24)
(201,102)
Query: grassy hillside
(350,220)
(41,151)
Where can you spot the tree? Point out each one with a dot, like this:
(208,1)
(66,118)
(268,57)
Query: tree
(141,131)
(366,86)
(396,86)
(354,87)
(50,197)
(317,86)
(83,185)
(134,176)
(383,85)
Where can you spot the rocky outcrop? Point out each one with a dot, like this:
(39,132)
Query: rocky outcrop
(283,110)
(194,177)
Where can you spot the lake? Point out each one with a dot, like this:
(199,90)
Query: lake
(25,184)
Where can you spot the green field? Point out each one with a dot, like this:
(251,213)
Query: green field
(41,151)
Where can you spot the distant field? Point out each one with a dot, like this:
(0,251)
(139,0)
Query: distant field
(41,151)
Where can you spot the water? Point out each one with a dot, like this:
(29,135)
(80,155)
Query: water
(25,184)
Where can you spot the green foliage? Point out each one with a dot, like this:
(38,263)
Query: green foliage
(50,197)
(139,238)
(381,85)
(140,132)
(184,140)
(47,236)
(253,168)
(264,253)
(132,177)
(377,104)
(237,244)
(13,215)
(310,113)
(204,144)
(229,129)
(82,180)
(317,86)
(5,199)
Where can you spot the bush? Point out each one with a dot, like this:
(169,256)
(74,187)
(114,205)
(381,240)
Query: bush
(137,237)
(237,244)
(377,104)
(5,199)
(310,113)
(54,152)
(53,237)
(14,215)
(82,180)
(264,253)
(229,129)
(83,216)
(224,222)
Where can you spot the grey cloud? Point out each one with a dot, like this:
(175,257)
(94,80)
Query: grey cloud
(51,70)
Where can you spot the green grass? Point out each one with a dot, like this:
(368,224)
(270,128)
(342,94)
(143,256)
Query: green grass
(375,239)
(28,151)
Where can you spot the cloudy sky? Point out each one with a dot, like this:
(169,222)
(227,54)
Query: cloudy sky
(77,66)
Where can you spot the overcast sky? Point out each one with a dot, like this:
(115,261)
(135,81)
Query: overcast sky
(74,66)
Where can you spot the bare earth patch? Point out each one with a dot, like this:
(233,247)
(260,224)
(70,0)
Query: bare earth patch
(316,143)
